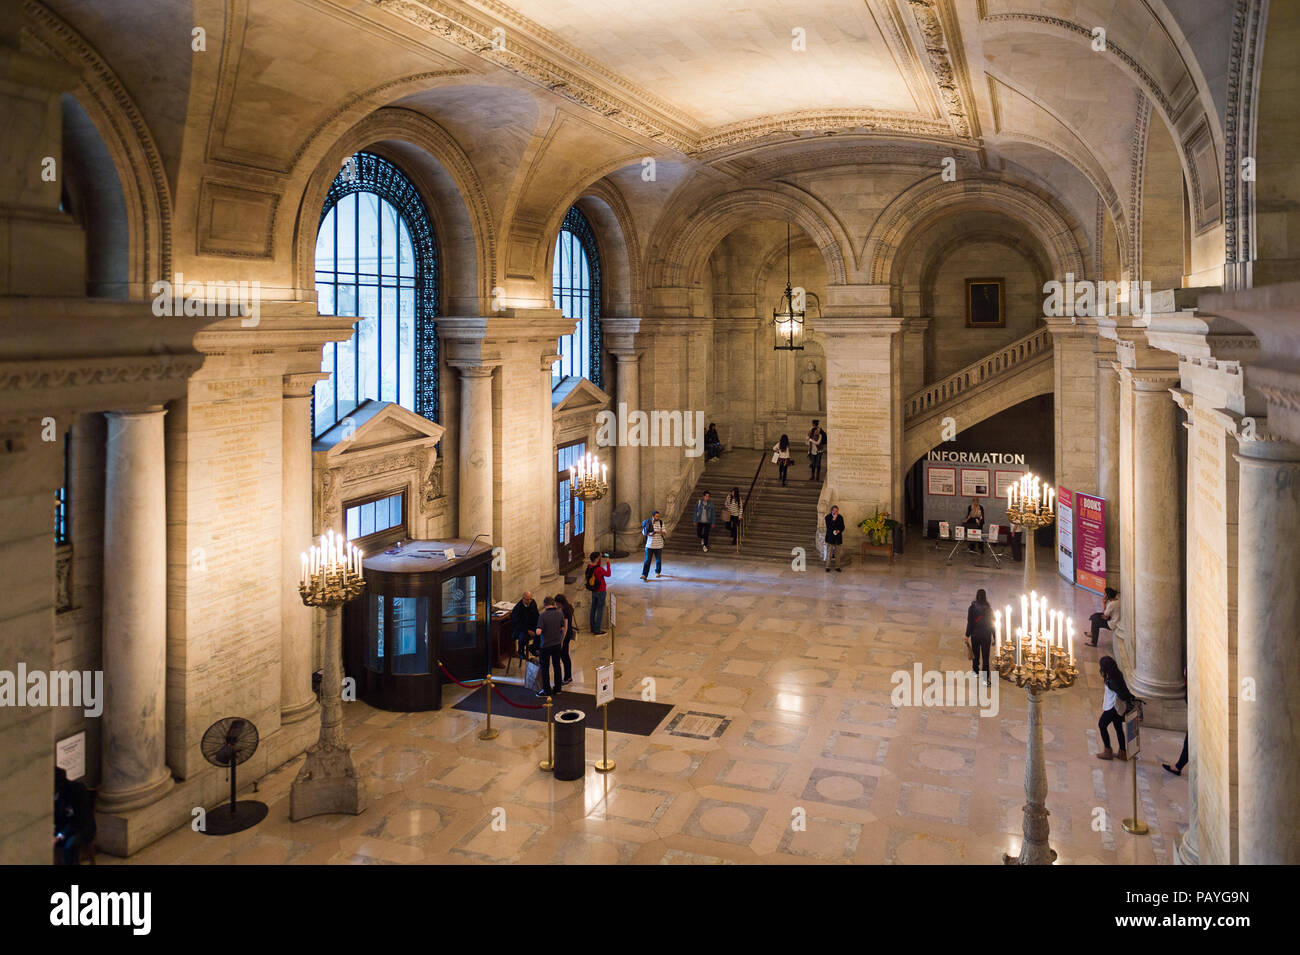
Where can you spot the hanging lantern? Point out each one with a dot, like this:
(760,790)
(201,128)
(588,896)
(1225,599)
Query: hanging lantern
(788,316)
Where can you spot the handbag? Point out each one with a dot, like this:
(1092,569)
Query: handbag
(776,457)
(970,649)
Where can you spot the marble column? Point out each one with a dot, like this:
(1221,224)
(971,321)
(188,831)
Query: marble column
(1154,603)
(627,464)
(1268,606)
(550,560)
(476,472)
(1108,415)
(133,741)
(1185,850)
(297,701)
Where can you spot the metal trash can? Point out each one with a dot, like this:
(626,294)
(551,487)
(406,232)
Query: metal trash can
(570,744)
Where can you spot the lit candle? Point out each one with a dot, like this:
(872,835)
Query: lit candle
(1020,635)
(1069,636)
(604,470)
(997,629)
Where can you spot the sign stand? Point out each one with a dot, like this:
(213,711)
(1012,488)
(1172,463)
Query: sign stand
(605,696)
(1134,825)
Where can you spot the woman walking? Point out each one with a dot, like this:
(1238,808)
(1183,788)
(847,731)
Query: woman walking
(735,511)
(781,456)
(566,608)
(979,633)
(1115,703)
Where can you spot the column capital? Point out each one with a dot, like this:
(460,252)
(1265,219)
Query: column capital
(474,369)
(1264,449)
(300,384)
(1154,382)
(136,411)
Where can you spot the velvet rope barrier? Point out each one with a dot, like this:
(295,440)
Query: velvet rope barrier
(518,706)
(469,686)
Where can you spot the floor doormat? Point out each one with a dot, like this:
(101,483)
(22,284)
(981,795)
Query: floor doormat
(636,717)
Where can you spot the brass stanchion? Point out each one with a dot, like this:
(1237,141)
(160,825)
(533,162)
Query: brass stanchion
(548,764)
(606,764)
(1135,825)
(613,629)
(488,732)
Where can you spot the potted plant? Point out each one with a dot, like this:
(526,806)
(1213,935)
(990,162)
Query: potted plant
(879,528)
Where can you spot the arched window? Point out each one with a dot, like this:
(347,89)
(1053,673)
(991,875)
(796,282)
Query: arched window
(576,288)
(377,259)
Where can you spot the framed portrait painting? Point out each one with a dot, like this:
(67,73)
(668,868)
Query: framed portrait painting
(985,303)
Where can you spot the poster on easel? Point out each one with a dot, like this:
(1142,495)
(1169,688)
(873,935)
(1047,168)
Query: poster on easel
(1090,542)
(1065,533)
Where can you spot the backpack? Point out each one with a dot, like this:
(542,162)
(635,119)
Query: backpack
(591,579)
(647,527)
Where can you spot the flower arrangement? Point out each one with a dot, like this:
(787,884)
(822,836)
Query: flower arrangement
(878,527)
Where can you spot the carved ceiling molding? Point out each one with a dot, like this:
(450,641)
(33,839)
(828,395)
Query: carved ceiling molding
(662,122)
(937,24)
(135,153)
(1239,194)
(109,370)
(825,121)
(821,157)
(638,109)
(1137,172)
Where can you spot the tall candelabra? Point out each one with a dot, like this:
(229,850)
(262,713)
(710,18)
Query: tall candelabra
(1031,504)
(1038,655)
(589,479)
(328,781)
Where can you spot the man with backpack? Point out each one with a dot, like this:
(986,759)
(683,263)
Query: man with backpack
(596,576)
(704,515)
(653,529)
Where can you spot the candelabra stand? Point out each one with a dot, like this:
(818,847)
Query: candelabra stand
(1039,657)
(588,481)
(1030,516)
(328,781)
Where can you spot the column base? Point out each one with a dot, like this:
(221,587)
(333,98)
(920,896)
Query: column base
(299,711)
(137,797)
(1162,713)
(327,783)
(1185,854)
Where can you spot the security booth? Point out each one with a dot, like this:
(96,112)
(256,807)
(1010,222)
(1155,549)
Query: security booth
(424,601)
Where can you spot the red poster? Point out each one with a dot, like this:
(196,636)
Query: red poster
(1090,542)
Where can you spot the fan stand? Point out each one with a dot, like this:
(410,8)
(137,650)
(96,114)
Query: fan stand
(238,816)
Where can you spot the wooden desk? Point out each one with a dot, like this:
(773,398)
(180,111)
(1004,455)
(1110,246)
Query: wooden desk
(502,640)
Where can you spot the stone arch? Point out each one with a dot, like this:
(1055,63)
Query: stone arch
(1186,106)
(681,252)
(929,266)
(616,240)
(1062,238)
(448,184)
(131,146)
(1093,172)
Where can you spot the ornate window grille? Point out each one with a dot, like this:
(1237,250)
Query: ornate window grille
(377,258)
(576,288)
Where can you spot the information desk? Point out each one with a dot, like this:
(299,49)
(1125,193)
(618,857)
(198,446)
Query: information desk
(418,608)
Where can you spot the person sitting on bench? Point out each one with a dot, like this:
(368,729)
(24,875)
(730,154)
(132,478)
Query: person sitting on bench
(1107,618)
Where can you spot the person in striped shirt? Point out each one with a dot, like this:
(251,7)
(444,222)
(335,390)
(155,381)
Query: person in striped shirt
(654,545)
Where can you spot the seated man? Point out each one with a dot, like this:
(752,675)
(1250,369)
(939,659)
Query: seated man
(712,443)
(523,618)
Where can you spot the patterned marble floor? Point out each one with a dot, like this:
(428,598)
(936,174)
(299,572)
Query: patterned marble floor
(781,682)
